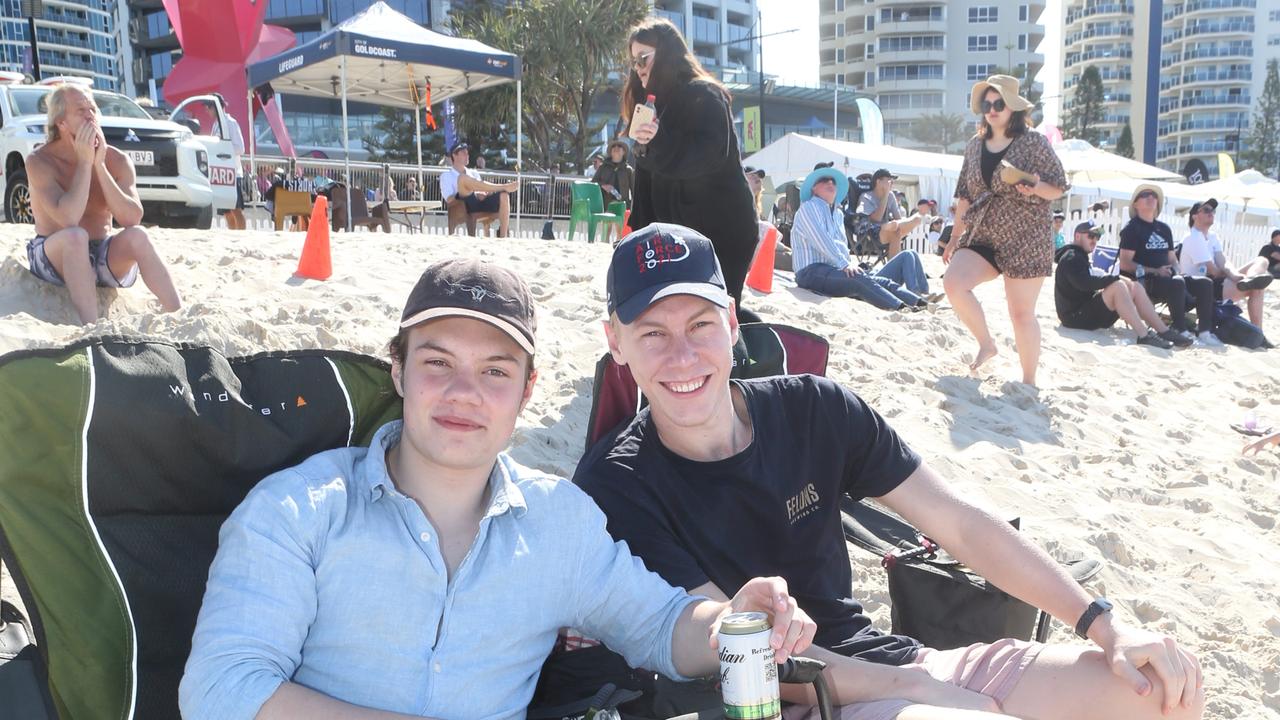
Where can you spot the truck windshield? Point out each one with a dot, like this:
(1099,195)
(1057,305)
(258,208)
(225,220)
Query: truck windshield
(31,101)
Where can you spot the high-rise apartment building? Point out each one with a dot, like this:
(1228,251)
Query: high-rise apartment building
(719,32)
(1184,75)
(918,57)
(72,38)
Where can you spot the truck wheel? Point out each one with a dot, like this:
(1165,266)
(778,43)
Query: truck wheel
(17,199)
(204,221)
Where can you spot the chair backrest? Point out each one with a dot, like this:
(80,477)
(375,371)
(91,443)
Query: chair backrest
(589,191)
(763,349)
(1106,259)
(290,202)
(119,462)
(359,205)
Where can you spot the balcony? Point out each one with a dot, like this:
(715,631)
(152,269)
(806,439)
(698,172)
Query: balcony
(676,18)
(912,84)
(705,30)
(1117,98)
(1206,125)
(1210,76)
(913,25)
(919,56)
(1227,100)
(1124,9)
(1103,32)
(1075,58)
(1228,27)
(1230,51)
(1108,75)
(1198,6)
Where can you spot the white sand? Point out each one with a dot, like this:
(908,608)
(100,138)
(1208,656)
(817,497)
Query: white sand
(1125,454)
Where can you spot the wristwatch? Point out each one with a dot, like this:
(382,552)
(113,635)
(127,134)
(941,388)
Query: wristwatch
(1097,607)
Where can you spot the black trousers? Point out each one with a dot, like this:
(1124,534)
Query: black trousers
(1173,291)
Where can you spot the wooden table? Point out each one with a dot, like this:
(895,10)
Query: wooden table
(405,208)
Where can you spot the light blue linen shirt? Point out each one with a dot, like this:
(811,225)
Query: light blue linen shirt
(817,236)
(328,576)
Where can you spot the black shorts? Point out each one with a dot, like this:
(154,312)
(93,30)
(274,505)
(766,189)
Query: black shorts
(1217,287)
(988,253)
(489,204)
(239,196)
(1092,315)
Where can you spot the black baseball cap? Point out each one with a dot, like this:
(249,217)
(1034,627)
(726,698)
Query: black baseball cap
(821,165)
(465,287)
(1274,233)
(748,170)
(458,146)
(1084,227)
(1211,202)
(659,261)
(883,173)
(1059,215)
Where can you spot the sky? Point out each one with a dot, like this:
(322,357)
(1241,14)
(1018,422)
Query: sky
(793,57)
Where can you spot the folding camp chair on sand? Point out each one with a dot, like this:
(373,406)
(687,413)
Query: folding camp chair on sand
(934,598)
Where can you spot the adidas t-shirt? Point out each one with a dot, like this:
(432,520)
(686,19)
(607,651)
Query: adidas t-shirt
(1149,241)
(772,509)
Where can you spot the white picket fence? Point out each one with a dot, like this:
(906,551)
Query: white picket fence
(1240,243)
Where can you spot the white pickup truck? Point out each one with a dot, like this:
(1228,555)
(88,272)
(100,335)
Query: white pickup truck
(185,169)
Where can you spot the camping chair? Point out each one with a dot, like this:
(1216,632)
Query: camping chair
(458,215)
(119,462)
(920,609)
(862,235)
(588,207)
(360,215)
(289,203)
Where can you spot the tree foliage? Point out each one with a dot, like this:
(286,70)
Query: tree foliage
(393,141)
(1086,111)
(940,131)
(1262,147)
(571,50)
(1124,146)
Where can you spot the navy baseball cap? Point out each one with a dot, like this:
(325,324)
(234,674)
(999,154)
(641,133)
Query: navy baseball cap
(659,261)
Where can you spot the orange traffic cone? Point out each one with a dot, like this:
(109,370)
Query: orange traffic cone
(761,275)
(315,262)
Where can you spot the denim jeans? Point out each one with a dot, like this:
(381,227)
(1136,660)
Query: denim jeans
(906,269)
(878,290)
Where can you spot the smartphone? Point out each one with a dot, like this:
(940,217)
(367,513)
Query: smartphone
(643,114)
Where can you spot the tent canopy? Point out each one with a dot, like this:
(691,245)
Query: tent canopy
(1085,163)
(386,54)
(793,156)
(1248,188)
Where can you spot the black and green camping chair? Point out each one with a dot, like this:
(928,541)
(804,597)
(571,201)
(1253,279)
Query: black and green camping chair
(119,461)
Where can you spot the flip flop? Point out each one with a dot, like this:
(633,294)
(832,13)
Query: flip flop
(1252,432)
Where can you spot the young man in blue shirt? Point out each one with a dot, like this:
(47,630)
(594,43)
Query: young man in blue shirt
(428,575)
(716,481)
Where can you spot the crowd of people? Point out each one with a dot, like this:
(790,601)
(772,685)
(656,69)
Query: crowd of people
(435,529)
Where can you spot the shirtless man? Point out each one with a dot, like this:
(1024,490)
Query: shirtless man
(78,185)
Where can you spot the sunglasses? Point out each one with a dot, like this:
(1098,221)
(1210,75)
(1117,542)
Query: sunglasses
(1146,194)
(641,61)
(820,181)
(1209,210)
(989,105)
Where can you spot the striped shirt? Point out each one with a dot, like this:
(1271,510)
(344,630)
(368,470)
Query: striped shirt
(817,236)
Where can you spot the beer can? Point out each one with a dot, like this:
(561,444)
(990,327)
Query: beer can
(748,674)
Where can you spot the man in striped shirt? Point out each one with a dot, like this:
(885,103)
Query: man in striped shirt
(821,257)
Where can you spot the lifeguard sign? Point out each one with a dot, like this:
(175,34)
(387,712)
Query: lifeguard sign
(751,128)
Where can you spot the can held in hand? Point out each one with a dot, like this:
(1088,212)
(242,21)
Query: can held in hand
(748,674)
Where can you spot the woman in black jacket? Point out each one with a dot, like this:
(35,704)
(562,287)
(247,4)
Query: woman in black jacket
(687,167)
(615,176)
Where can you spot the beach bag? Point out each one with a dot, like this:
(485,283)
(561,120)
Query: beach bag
(1231,327)
(934,598)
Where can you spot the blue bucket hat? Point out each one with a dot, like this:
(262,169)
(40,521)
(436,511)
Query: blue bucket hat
(842,183)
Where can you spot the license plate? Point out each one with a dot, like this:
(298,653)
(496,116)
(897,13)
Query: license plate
(141,157)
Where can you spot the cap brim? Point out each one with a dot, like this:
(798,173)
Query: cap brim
(628,311)
(441,312)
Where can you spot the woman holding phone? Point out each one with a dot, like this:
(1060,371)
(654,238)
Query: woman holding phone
(687,167)
(1004,225)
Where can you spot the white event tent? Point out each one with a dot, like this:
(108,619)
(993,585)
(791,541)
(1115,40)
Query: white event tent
(793,156)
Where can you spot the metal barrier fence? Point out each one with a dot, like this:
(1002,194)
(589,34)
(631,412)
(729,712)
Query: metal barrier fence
(545,196)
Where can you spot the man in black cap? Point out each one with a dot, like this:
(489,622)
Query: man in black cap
(881,208)
(428,575)
(463,184)
(1087,298)
(716,480)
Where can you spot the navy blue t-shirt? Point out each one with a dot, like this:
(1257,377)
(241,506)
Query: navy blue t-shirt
(1149,241)
(772,509)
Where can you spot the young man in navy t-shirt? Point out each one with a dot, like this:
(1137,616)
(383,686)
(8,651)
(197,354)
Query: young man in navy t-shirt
(717,480)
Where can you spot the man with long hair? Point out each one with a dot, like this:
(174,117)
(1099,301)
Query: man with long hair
(79,186)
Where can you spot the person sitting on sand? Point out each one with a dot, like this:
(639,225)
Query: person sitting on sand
(820,253)
(1202,256)
(427,575)
(716,480)
(1087,298)
(79,185)
(463,184)
(1271,251)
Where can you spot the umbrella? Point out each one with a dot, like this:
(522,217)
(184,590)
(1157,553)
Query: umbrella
(1248,187)
(1085,163)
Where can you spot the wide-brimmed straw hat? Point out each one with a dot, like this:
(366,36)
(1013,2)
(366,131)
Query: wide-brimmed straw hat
(1006,85)
(842,183)
(1143,188)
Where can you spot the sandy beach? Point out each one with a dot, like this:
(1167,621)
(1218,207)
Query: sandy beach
(1125,453)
